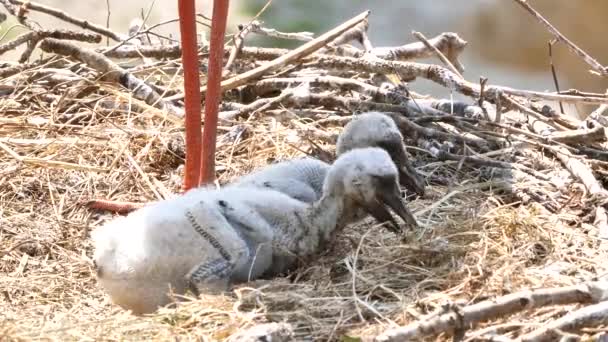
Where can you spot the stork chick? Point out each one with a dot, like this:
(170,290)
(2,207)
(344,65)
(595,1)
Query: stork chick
(209,239)
(374,129)
(302,178)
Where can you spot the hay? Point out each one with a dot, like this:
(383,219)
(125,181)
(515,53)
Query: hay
(484,232)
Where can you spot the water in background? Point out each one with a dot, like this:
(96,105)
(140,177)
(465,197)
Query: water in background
(506,44)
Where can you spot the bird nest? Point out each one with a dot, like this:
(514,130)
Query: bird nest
(514,204)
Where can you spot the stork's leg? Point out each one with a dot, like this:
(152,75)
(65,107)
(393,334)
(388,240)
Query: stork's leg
(114,206)
(192,95)
(214,91)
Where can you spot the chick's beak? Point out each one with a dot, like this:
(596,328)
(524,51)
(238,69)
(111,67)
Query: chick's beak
(382,215)
(394,201)
(409,178)
(391,199)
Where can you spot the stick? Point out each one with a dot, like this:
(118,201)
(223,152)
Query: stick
(110,71)
(467,317)
(603,71)
(34,6)
(443,155)
(413,130)
(256,27)
(35,36)
(579,170)
(239,40)
(430,46)
(590,316)
(444,77)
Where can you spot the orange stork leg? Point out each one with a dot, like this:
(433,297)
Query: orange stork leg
(200,167)
(192,95)
(214,92)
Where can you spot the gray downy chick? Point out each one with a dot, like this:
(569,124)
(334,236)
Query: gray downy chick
(374,129)
(209,239)
(302,178)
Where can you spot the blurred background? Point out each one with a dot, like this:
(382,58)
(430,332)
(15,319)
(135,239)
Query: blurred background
(506,44)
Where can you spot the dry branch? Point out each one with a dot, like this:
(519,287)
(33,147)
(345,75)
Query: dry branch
(579,170)
(412,130)
(465,318)
(437,52)
(444,77)
(110,71)
(450,44)
(59,14)
(257,27)
(602,70)
(34,36)
(582,136)
(443,155)
(238,40)
(590,316)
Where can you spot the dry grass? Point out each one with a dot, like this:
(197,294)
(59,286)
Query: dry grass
(476,241)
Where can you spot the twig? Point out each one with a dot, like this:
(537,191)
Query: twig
(68,18)
(442,76)
(468,316)
(579,170)
(357,32)
(581,136)
(450,44)
(256,27)
(239,40)
(603,71)
(143,175)
(110,71)
(255,106)
(15,246)
(441,56)
(379,94)
(413,130)
(601,222)
(599,115)
(19,14)
(108,14)
(33,37)
(590,316)
(443,155)
(554,74)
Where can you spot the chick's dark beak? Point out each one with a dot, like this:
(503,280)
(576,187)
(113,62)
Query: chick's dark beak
(409,178)
(382,215)
(391,198)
